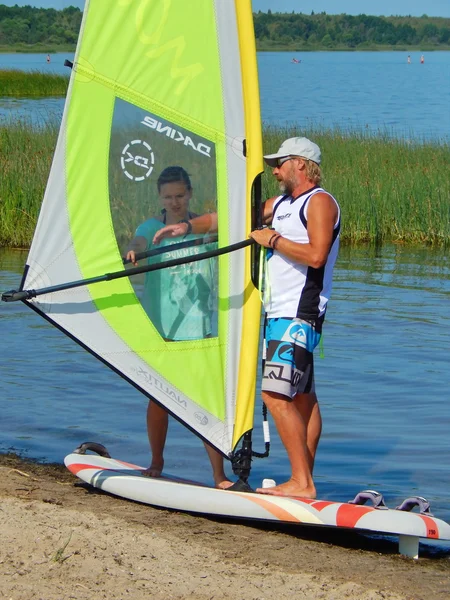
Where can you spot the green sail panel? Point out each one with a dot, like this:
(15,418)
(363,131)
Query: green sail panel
(162,96)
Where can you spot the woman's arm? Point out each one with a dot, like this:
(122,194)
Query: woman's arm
(206,223)
(137,245)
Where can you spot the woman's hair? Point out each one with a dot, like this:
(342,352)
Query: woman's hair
(174,175)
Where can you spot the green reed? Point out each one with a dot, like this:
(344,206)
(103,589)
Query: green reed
(25,156)
(21,84)
(390,190)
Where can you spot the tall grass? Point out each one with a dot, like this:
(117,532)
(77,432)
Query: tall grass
(390,190)
(20,84)
(25,156)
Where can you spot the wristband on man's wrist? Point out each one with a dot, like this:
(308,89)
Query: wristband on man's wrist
(274,235)
(189,226)
(273,240)
(276,240)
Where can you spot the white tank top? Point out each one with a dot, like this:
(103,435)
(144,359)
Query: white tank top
(295,289)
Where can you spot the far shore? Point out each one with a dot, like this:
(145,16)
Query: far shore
(36,49)
(21,49)
(362,48)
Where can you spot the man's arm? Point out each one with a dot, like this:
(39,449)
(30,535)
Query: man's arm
(322,217)
(267,210)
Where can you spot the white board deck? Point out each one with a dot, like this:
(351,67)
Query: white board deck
(126,480)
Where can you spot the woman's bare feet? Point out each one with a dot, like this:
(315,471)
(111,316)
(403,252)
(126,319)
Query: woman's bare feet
(155,469)
(223,484)
(290,488)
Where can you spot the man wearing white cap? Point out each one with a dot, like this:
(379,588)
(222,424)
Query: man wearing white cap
(302,247)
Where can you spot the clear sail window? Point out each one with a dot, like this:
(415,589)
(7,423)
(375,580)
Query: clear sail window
(161,174)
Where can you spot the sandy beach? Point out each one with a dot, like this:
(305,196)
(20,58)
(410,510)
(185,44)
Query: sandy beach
(61,539)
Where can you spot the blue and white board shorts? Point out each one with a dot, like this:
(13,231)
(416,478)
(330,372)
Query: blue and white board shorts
(288,359)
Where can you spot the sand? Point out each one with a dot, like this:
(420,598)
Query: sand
(61,539)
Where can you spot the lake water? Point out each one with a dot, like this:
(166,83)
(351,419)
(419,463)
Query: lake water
(373,91)
(383,386)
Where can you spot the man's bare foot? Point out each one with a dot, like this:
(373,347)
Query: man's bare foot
(224,484)
(154,470)
(290,488)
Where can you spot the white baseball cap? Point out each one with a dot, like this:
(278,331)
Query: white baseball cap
(296,146)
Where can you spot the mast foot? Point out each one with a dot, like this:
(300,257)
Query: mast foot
(240,486)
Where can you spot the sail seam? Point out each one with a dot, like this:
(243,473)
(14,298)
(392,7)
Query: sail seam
(144,102)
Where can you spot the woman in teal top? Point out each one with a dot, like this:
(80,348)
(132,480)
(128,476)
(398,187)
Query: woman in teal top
(176,299)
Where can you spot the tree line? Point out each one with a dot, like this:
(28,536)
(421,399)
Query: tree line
(347,31)
(28,25)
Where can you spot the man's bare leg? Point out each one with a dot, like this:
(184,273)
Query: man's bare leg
(308,407)
(221,481)
(157,425)
(292,429)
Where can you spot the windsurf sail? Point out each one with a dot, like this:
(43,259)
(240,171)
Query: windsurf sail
(157,86)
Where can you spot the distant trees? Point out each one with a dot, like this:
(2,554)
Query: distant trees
(29,25)
(348,31)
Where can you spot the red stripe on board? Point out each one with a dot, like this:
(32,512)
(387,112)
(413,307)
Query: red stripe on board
(136,467)
(317,504)
(75,468)
(136,471)
(321,504)
(432,527)
(348,515)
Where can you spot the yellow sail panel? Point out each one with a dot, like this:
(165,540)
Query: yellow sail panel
(165,50)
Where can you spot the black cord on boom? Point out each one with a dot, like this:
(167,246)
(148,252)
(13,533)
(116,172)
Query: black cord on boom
(267,444)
